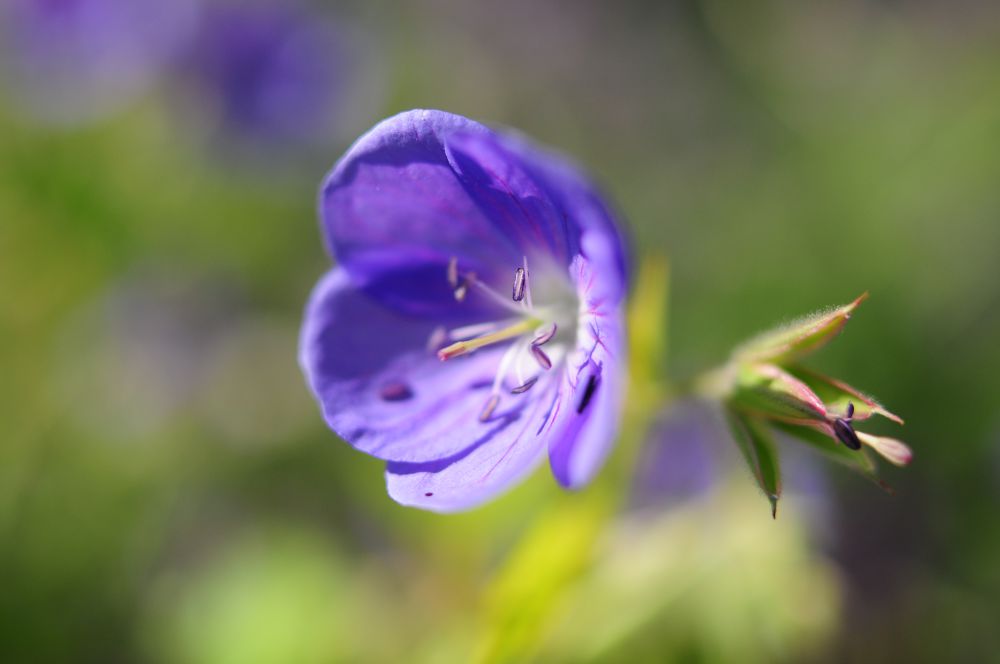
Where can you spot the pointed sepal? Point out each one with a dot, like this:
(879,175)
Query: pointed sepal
(837,395)
(770,391)
(799,338)
(758,449)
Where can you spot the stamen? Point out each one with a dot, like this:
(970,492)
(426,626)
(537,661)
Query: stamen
(524,387)
(850,411)
(508,361)
(437,339)
(545,337)
(463,287)
(845,433)
(453,272)
(541,357)
(463,347)
(498,298)
(588,393)
(527,282)
(489,407)
(519,283)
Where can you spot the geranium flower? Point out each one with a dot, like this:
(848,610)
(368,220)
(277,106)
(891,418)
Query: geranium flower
(273,71)
(473,324)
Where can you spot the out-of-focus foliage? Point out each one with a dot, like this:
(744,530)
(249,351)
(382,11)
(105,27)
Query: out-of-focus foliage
(168,491)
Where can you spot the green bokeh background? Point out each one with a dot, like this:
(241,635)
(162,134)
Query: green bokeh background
(168,491)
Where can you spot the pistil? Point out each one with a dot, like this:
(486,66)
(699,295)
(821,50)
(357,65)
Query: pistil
(510,332)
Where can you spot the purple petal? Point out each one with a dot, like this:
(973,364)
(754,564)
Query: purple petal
(487,468)
(384,392)
(590,405)
(515,203)
(393,207)
(595,383)
(579,201)
(424,186)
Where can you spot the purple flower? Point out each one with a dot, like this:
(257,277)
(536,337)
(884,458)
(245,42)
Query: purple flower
(474,322)
(76,60)
(275,73)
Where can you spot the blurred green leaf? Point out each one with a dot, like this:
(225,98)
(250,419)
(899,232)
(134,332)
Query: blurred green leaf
(521,598)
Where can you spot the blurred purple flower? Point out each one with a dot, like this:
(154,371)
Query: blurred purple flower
(73,61)
(681,459)
(273,72)
(475,319)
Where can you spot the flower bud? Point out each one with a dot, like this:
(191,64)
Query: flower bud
(763,384)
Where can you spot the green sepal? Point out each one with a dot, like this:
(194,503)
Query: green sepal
(836,395)
(799,338)
(770,391)
(758,449)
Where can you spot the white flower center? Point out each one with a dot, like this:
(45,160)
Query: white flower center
(540,331)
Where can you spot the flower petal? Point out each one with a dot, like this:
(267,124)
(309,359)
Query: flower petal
(588,406)
(512,448)
(383,391)
(583,204)
(424,186)
(394,210)
(895,451)
(515,202)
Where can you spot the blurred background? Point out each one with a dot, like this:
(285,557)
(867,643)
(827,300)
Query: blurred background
(168,491)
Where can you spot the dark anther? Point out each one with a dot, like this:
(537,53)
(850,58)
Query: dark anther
(545,337)
(437,340)
(844,430)
(464,283)
(544,361)
(588,393)
(396,391)
(845,433)
(429,494)
(528,384)
(518,290)
(489,407)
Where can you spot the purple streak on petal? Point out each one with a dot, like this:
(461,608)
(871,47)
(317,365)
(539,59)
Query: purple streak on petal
(583,439)
(510,198)
(581,204)
(354,351)
(489,467)
(394,203)
(587,419)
